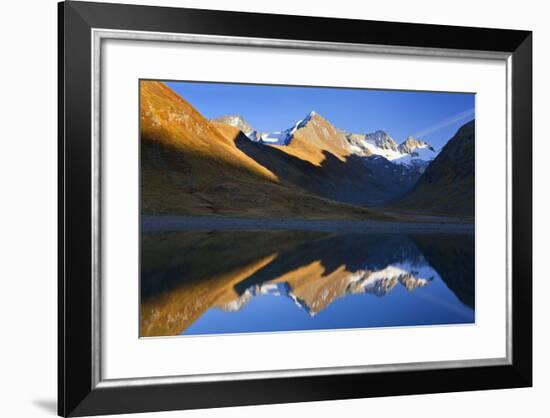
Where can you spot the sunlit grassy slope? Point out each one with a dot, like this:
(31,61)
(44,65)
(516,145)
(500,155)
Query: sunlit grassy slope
(191,166)
(312,142)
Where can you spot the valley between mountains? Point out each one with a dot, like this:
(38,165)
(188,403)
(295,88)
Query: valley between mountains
(307,228)
(195,167)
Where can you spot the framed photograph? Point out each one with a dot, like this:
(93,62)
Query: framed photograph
(265,208)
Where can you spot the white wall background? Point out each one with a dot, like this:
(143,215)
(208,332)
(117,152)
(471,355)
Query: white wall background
(28,94)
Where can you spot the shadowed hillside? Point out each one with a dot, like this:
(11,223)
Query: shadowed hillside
(456,262)
(448,184)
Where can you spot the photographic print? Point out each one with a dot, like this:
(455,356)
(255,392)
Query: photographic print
(270,208)
(360,196)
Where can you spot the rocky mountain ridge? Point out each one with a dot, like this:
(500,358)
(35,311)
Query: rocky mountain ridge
(363,145)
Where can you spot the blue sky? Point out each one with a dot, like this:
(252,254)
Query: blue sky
(433,117)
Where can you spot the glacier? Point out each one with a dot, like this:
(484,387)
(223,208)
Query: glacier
(283,137)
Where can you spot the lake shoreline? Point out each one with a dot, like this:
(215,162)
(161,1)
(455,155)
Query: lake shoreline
(160,223)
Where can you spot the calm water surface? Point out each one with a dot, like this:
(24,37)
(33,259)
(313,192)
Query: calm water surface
(216,282)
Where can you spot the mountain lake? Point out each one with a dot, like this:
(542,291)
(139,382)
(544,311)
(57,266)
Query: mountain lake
(262,278)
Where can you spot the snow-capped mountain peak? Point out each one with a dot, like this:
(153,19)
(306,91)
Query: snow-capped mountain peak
(415,151)
(303,122)
(375,143)
(284,137)
(271,138)
(409,145)
(411,152)
(236,121)
(381,140)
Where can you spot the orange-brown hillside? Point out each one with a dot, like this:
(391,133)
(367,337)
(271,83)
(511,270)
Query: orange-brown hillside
(170,121)
(191,166)
(318,136)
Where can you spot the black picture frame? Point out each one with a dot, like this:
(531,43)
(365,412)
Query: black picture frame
(78,394)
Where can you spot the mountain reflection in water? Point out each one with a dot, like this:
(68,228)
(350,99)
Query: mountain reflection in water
(216,282)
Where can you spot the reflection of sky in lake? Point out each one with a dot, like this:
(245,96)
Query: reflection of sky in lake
(289,283)
(432,304)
